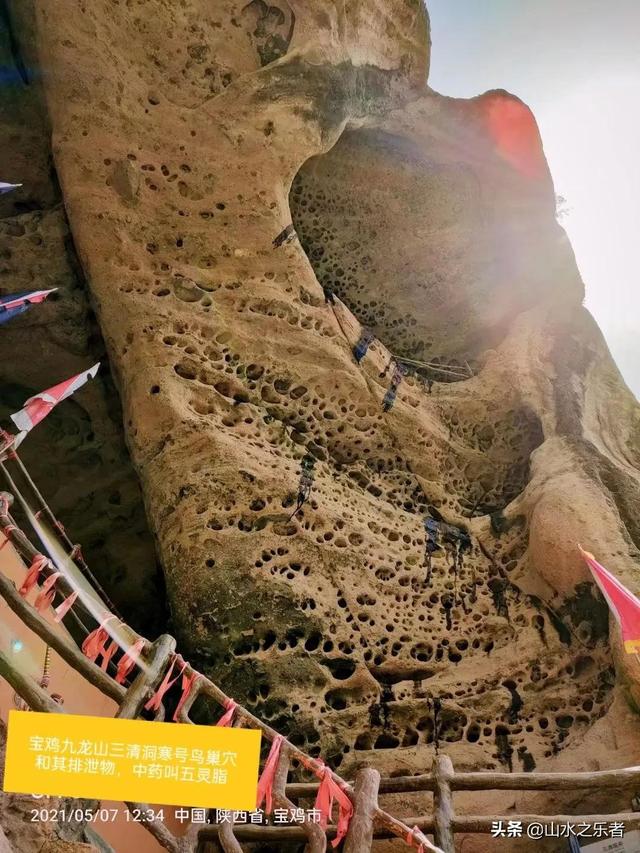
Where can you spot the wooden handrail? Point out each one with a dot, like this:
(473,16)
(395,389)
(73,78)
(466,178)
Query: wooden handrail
(156,657)
(471,824)
(487,780)
(624,777)
(67,651)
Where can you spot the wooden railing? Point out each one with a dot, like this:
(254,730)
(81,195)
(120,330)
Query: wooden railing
(444,823)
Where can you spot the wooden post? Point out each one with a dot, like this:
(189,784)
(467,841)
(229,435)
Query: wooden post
(226,834)
(315,835)
(228,841)
(360,836)
(147,678)
(443,812)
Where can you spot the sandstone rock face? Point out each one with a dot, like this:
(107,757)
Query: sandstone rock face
(186,138)
(77,455)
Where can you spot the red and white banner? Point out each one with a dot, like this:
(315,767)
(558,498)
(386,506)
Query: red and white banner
(623,604)
(33,296)
(38,407)
(6,188)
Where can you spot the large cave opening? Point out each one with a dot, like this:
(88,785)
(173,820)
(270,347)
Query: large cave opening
(402,235)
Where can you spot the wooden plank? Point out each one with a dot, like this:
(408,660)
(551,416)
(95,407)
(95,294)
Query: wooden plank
(284,834)
(360,836)
(395,785)
(626,777)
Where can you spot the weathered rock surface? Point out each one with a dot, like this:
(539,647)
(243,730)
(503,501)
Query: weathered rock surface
(77,455)
(178,131)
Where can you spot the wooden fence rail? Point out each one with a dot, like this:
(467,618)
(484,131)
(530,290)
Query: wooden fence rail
(444,824)
(487,780)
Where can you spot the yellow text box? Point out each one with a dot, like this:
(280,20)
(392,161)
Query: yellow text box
(132,760)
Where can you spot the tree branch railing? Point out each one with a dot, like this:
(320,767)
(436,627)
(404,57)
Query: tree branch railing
(443,781)
(369,822)
(156,658)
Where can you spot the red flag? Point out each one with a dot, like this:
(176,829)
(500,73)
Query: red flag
(17,300)
(623,604)
(38,407)
(329,791)
(267,777)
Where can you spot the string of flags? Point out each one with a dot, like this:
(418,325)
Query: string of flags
(456,539)
(399,372)
(36,408)
(388,367)
(362,347)
(432,530)
(14,304)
